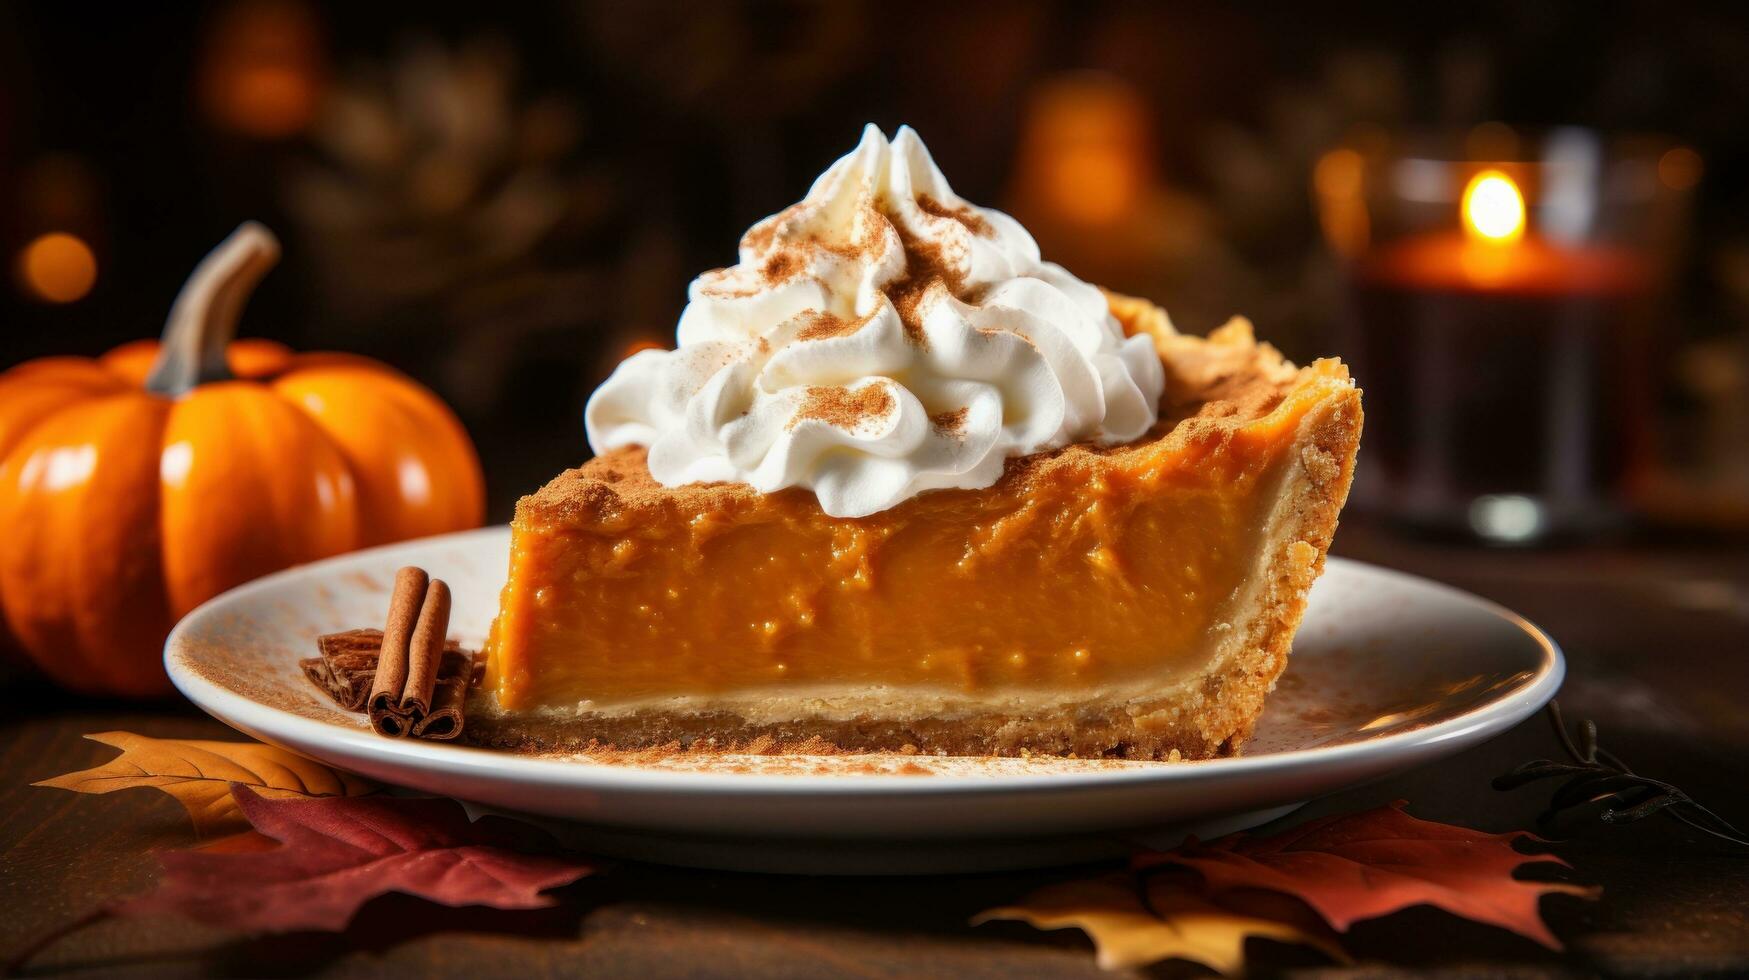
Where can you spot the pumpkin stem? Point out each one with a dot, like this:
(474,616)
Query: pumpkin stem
(203,320)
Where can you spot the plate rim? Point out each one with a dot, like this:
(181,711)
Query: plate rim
(1507,710)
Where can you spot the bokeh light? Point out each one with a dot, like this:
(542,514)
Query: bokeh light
(1084,155)
(1339,181)
(57,268)
(1679,168)
(262,74)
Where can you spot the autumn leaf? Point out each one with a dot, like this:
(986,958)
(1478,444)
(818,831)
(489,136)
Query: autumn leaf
(1370,864)
(1175,922)
(199,775)
(241,842)
(336,853)
(1202,901)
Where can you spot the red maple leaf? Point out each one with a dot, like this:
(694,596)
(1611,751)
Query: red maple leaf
(1364,865)
(337,853)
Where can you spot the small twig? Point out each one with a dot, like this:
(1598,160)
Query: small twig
(1597,780)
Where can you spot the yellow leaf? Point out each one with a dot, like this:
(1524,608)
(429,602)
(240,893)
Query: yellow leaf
(1176,923)
(199,774)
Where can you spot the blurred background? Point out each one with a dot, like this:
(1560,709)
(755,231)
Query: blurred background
(502,199)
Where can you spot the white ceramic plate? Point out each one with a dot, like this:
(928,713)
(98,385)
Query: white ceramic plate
(1388,672)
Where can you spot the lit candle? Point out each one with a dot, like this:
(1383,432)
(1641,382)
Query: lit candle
(1505,366)
(1491,251)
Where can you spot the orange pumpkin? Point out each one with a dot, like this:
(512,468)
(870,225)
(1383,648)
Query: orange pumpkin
(137,485)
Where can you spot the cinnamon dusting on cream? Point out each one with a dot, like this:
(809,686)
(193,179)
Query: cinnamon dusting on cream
(817,325)
(781,265)
(926,264)
(966,215)
(840,406)
(951,422)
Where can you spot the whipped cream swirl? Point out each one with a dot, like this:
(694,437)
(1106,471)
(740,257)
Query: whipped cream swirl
(879,339)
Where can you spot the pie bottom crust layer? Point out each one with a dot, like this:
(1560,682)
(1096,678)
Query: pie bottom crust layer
(1205,710)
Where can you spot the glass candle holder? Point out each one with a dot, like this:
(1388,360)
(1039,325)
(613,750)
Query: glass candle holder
(1502,294)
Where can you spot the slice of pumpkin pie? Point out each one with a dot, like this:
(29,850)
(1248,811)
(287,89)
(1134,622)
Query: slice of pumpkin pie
(904,486)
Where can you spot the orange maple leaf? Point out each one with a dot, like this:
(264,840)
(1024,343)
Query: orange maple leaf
(1135,922)
(1365,865)
(199,774)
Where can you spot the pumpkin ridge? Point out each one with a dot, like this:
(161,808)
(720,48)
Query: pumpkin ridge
(265,488)
(382,421)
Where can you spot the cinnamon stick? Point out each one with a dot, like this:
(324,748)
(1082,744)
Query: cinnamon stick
(445,720)
(407,677)
(348,664)
(425,651)
(387,714)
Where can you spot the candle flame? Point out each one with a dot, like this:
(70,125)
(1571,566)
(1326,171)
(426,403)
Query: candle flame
(1493,208)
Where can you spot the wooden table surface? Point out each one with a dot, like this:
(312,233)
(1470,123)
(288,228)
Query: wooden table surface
(1657,638)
